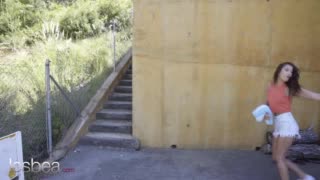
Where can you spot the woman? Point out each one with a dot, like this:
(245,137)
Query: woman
(285,85)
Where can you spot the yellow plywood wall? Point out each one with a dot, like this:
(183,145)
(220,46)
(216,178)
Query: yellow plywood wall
(201,66)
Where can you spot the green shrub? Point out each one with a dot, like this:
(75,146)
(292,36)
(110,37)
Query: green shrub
(16,15)
(23,19)
(81,21)
(115,10)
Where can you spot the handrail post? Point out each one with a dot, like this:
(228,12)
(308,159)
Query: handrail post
(48,108)
(114,45)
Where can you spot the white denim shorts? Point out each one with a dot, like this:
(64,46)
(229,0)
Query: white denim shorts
(286,126)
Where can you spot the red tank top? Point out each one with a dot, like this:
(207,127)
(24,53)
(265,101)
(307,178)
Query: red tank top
(279,102)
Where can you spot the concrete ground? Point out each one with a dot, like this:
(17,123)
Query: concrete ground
(100,163)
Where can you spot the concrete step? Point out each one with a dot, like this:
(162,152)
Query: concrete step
(129,71)
(125,83)
(125,105)
(123,89)
(114,114)
(114,126)
(127,77)
(121,97)
(110,140)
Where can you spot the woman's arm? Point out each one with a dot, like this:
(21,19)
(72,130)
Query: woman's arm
(309,94)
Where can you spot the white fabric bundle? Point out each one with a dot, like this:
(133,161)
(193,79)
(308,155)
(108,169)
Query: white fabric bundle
(260,111)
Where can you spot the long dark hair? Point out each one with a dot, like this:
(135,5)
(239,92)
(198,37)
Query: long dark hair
(293,82)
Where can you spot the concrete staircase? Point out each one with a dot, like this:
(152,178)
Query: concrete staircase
(113,124)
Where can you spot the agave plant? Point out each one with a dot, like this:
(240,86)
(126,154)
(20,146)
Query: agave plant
(51,30)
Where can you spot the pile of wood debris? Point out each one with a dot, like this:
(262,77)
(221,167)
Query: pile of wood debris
(305,149)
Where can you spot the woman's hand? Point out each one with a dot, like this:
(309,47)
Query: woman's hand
(266,117)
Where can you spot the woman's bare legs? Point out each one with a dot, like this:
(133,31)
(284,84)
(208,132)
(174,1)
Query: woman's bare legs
(280,146)
(295,168)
